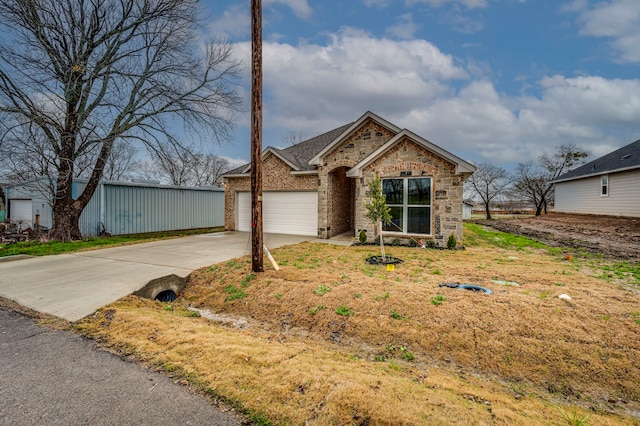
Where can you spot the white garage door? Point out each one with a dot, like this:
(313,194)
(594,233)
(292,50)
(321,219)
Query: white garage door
(293,213)
(21,211)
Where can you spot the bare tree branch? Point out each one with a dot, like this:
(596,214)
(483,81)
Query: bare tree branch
(92,74)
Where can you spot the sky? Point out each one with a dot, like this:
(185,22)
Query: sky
(491,81)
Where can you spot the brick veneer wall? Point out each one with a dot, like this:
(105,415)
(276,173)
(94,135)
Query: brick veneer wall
(366,139)
(405,156)
(341,201)
(276,176)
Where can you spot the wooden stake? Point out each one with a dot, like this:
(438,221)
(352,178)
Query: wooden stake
(271,259)
(256,138)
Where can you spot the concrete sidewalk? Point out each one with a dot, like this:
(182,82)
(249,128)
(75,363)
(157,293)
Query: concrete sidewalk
(72,286)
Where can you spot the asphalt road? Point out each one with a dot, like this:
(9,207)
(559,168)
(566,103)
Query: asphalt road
(52,377)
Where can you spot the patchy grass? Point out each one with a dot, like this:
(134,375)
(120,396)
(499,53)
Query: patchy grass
(36,248)
(519,356)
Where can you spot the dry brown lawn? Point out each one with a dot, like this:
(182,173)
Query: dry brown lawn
(329,339)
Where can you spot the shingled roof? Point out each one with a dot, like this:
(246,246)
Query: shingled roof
(625,158)
(299,154)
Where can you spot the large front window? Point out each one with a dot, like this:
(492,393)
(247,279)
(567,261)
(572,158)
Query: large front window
(410,202)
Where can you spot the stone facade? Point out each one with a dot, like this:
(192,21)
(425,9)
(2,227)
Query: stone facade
(341,198)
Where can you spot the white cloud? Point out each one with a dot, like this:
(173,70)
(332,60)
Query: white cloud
(405,28)
(313,88)
(299,7)
(234,22)
(381,4)
(461,23)
(618,20)
(471,4)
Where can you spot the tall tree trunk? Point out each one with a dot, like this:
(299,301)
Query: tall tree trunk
(539,209)
(66,213)
(487,210)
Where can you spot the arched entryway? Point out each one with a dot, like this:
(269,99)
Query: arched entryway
(341,202)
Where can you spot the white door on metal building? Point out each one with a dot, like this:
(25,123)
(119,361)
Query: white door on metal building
(294,213)
(21,211)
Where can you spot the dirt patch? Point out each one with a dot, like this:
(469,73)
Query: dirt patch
(613,236)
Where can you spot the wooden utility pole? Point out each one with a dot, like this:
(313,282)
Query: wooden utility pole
(257,253)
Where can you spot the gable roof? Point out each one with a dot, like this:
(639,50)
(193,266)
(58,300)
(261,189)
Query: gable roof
(304,157)
(625,158)
(299,155)
(462,166)
(317,159)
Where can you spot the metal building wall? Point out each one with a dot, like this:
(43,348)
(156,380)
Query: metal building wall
(132,209)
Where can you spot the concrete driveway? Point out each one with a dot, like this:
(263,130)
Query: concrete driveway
(72,286)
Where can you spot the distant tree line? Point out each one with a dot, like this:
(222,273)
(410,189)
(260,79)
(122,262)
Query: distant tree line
(529,183)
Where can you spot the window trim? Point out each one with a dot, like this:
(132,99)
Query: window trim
(405,206)
(604,186)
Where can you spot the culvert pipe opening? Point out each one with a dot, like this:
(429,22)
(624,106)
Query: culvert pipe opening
(166,296)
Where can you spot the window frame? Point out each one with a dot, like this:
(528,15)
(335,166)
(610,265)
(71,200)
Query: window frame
(406,206)
(604,185)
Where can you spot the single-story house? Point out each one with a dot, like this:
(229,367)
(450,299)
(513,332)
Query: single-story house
(319,187)
(609,185)
(122,207)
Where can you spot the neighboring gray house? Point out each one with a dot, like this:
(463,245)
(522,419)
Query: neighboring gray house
(123,207)
(609,185)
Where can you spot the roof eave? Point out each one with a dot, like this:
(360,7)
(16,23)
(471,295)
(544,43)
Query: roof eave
(271,150)
(599,173)
(304,172)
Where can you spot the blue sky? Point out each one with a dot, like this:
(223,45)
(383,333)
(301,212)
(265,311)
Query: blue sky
(499,81)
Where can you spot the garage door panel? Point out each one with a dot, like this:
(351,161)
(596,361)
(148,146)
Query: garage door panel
(282,212)
(21,211)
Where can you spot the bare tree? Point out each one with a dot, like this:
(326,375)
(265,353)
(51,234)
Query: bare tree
(533,181)
(209,169)
(173,162)
(489,181)
(183,167)
(87,73)
(293,137)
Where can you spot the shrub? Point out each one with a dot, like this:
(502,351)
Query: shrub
(452,242)
(362,236)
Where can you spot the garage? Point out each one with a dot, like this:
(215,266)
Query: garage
(294,213)
(21,211)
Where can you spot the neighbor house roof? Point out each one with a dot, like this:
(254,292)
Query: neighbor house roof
(623,159)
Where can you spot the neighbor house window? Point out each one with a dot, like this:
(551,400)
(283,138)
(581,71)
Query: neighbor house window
(410,202)
(604,184)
